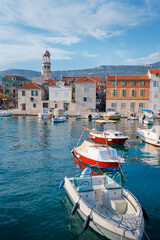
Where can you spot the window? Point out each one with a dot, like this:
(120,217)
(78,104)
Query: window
(132,93)
(123,83)
(155,107)
(141,92)
(114,92)
(55,94)
(65,94)
(132,82)
(45,105)
(123,105)
(141,82)
(123,93)
(23,93)
(56,105)
(155,95)
(85,99)
(113,83)
(14,85)
(34,105)
(155,84)
(132,104)
(86,89)
(34,93)
(23,106)
(65,106)
(141,105)
(113,105)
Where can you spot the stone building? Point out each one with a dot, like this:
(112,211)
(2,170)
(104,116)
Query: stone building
(32,98)
(85,93)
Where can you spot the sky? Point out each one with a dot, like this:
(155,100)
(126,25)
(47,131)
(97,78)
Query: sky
(79,34)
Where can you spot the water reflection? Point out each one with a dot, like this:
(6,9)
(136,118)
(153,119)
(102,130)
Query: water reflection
(76,224)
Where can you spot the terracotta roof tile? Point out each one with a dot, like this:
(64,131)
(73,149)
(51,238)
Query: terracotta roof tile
(87,79)
(18,77)
(50,83)
(154,71)
(31,85)
(127,77)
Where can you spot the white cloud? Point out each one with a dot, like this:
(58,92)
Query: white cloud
(86,54)
(29,26)
(155,57)
(76,18)
(22,53)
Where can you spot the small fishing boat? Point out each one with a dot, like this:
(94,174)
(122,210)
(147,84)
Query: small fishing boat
(151,136)
(98,155)
(5,113)
(105,206)
(112,115)
(57,119)
(111,136)
(133,116)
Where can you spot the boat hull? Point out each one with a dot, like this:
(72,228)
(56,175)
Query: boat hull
(102,140)
(5,114)
(111,117)
(100,164)
(148,140)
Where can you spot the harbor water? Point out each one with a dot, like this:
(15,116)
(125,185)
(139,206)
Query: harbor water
(34,159)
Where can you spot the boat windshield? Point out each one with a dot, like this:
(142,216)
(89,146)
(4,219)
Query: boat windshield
(113,180)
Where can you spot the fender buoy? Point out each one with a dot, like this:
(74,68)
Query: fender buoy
(75,207)
(86,223)
(61,184)
(145,214)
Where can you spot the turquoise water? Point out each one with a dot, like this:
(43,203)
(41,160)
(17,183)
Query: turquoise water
(35,158)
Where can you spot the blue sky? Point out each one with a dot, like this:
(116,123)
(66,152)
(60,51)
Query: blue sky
(79,34)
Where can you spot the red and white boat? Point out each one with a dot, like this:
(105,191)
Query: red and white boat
(109,136)
(98,155)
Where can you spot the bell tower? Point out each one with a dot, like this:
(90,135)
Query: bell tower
(46,65)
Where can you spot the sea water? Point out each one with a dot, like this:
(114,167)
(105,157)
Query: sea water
(34,159)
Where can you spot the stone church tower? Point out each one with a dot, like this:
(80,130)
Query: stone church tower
(46,65)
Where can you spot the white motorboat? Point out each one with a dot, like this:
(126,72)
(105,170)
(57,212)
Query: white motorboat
(5,113)
(112,115)
(151,136)
(147,117)
(57,119)
(105,205)
(133,116)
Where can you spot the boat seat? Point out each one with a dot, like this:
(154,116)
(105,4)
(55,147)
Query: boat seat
(83,184)
(119,205)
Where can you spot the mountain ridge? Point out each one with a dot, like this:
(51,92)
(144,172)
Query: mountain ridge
(95,71)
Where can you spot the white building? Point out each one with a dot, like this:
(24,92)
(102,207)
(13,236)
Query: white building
(60,95)
(154,103)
